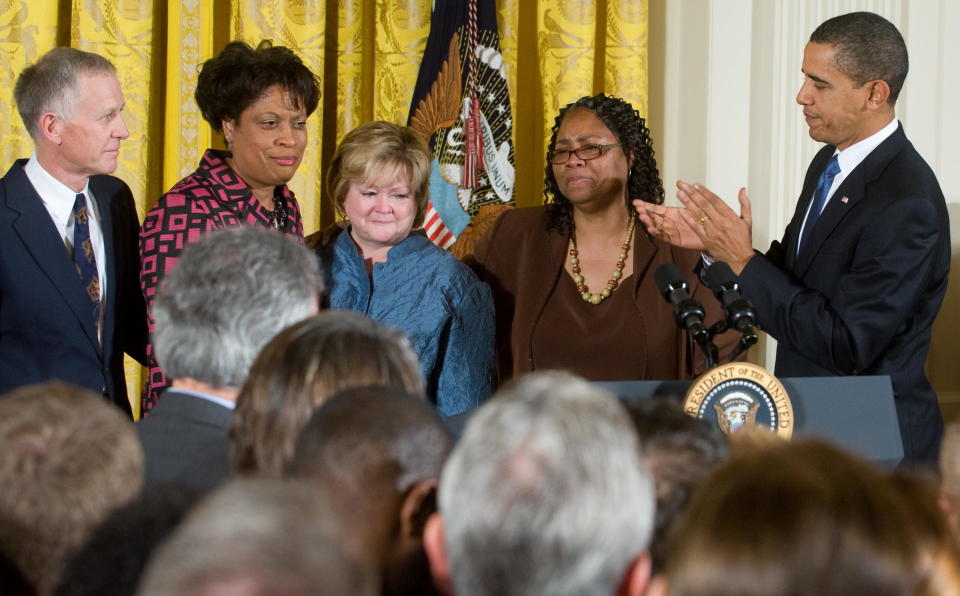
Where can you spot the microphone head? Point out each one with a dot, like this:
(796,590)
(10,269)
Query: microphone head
(669,278)
(719,275)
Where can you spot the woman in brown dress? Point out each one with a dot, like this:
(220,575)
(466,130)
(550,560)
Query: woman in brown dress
(573,280)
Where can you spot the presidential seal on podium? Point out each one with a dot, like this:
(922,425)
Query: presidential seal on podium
(740,394)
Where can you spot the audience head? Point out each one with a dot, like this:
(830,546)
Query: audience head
(379,451)
(798,518)
(231,292)
(545,493)
(113,559)
(937,557)
(950,473)
(680,451)
(300,369)
(69,458)
(868,48)
(643,178)
(381,153)
(260,538)
(242,74)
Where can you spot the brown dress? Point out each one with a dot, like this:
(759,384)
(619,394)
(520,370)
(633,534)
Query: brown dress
(630,336)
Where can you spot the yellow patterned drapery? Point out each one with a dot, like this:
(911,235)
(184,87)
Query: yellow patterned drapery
(367,54)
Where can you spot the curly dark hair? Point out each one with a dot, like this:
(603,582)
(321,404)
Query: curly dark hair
(631,131)
(229,83)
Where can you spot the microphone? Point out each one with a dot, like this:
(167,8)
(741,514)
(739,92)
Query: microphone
(740,313)
(688,312)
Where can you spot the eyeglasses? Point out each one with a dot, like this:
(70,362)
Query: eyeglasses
(585,153)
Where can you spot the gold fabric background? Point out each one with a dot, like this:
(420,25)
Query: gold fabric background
(555,52)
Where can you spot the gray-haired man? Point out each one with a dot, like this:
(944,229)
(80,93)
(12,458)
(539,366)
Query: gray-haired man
(231,292)
(544,494)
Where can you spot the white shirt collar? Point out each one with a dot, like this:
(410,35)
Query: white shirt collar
(853,155)
(226,403)
(57,196)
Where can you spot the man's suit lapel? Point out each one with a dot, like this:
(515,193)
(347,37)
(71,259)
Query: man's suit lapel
(40,237)
(850,192)
(103,197)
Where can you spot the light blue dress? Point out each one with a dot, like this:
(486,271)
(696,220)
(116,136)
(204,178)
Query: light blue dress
(437,301)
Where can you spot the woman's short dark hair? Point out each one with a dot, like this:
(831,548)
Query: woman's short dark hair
(631,131)
(229,83)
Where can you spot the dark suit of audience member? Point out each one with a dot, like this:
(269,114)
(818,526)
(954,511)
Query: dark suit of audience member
(56,323)
(186,437)
(231,292)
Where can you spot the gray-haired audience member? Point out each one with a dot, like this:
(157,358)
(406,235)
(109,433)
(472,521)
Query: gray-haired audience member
(69,458)
(260,538)
(380,451)
(231,292)
(680,451)
(544,494)
(300,369)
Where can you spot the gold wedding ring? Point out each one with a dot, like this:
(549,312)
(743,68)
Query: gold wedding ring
(703,220)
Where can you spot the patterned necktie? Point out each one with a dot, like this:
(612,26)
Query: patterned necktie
(83,256)
(819,199)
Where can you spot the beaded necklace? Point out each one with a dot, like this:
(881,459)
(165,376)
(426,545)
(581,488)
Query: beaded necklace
(614,277)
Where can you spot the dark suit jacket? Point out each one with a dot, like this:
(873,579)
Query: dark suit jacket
(185,441)
(862,297)
(46,331)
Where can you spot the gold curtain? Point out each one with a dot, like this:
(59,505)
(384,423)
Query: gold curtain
(366,53)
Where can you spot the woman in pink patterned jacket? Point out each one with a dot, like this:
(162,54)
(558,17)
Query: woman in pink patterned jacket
(259,99)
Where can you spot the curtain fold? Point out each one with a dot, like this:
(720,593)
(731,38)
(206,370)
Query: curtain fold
(366,53)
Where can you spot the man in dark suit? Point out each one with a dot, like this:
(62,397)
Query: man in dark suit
(230,293)
(858,278)
(69,263)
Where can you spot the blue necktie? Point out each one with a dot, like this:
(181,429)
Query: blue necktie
(819,199)
(84,258)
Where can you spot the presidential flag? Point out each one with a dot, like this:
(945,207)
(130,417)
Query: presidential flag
(462,107)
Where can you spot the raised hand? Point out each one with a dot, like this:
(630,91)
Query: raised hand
(723,234)
(667,224)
